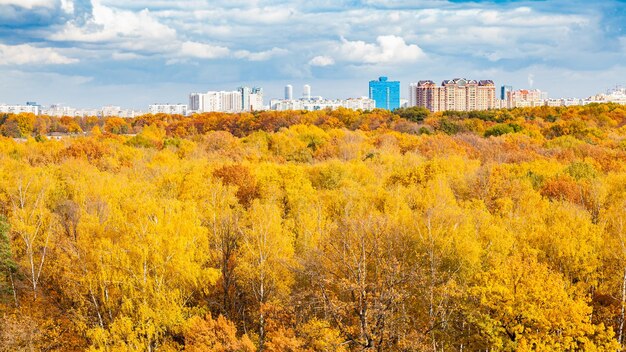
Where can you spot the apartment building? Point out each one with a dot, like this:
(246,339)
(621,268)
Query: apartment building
(457,94)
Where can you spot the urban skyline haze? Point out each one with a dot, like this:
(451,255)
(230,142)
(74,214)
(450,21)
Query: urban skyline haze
(89,53)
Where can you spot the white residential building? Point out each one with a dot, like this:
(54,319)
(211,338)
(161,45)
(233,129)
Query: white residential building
(524,98)
(243,99)
(130,113)
(413,94)
(501,104)
(554,102)
(196,102)
(17,109)
(222,102)
(105,111)
(255,101)
(251,99)
(362,103)
(59,111)
(571,102)
(171,109)
(110,110)
(87,112)
(284,104)
(306,91)
(230,102)
(616,95)
(116,111)
(563,102)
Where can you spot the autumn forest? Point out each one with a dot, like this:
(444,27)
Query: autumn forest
(340,230)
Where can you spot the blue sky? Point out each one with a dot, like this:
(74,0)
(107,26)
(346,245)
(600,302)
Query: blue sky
(89,53)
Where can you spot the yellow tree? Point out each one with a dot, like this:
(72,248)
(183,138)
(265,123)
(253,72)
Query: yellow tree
(221,215)
(266,259)
(448,250)
(214,335)
(613,284)
(363,269)
(32,223)
(521,305)
(142,259)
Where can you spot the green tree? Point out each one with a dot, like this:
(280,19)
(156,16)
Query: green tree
(8,267)
(414,113)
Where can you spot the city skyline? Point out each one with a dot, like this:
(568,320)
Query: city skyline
(424,93)
(94,52)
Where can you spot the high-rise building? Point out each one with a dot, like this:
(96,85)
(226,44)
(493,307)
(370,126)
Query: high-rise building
(196,102)
(251,99)
(306,91)
(505,97)
(288,92)
(229,101)
(504,90)
(385,93)
(256,99)
(428,95)
(214,101)
(458,94)
(412,94)
(211,102)
(245,98)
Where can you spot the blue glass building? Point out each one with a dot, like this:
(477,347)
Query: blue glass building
(504,90)
(385,93)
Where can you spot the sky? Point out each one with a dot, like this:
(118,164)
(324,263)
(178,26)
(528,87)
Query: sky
(90,53)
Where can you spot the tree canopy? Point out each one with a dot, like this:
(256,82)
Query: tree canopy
(320,231)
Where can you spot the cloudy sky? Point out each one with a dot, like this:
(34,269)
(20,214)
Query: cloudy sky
(89,53)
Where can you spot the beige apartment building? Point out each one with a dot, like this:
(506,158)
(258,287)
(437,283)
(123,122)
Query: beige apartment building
(457,94)
(524,98)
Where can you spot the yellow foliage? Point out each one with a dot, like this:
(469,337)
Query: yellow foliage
(214,335)
(315,231)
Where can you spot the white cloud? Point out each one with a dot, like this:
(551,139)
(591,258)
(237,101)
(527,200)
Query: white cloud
(67,6)
(136,30)
(29,4)
(203,51)
(322,61)
(125,56)
(206,51)
(25,54)
(261,55)
(388,49)
(176,61)
(138,33)
(284,40)
(479,32)
(471,30)
(267,15)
